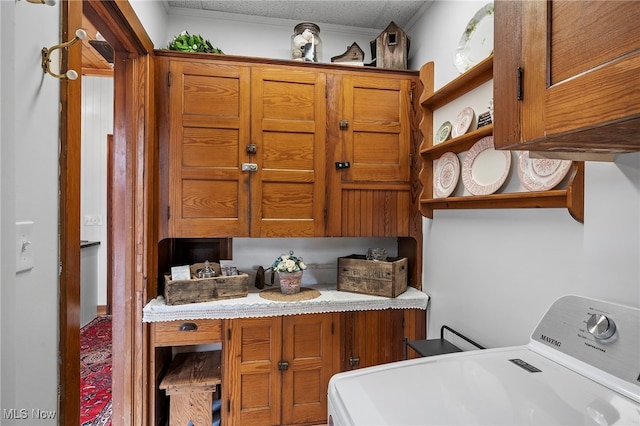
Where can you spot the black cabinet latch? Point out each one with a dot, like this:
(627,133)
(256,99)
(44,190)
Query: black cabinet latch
(342,165)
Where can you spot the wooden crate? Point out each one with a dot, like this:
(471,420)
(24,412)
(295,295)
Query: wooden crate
(180,292)
(379,278)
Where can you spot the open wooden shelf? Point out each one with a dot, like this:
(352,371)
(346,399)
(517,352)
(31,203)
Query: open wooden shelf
(571,198)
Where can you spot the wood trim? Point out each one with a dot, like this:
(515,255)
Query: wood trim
(69,282)
(110,251)
(95,72)
(132,241)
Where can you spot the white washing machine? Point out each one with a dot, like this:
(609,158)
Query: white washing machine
(581,367)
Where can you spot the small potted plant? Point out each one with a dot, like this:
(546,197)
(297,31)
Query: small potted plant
(289,268)
(185,42)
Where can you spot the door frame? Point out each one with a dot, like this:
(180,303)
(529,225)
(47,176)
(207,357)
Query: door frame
(132,232)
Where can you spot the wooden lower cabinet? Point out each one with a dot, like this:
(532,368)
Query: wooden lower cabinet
(277,369)
(377,337)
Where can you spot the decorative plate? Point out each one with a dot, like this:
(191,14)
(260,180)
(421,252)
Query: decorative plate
(541,174)
(485,169)
(463,122)
(445,175)
(443,133)
(476,42)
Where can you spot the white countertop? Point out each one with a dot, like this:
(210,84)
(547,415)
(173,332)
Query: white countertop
(254,306)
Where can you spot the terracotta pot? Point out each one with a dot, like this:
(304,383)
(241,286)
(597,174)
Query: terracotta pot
(290,282)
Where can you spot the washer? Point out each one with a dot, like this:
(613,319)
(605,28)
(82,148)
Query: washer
(580,367)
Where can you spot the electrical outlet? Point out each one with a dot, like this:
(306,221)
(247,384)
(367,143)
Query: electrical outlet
(93,220)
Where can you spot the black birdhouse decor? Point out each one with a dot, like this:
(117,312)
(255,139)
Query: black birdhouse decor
(391,48)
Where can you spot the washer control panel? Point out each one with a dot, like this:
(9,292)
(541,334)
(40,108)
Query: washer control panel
(602,334)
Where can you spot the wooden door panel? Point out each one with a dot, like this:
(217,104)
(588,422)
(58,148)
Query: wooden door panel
(378,337)
(576,35)
(252,379)
(377,140)
(375,212)
(209,134)
(288,128)
(307,346)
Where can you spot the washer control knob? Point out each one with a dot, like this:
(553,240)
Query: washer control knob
(600,326)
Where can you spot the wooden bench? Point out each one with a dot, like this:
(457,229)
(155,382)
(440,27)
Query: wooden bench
(190,384)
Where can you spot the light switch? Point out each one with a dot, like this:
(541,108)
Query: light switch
(24,246)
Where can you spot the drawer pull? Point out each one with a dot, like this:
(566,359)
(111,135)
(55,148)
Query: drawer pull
(188,326)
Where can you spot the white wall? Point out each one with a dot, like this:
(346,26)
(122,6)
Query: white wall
(262,37)
(153,16)
(97,123)
(29,183)
(493,273)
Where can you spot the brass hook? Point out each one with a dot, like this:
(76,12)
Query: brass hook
(46,56)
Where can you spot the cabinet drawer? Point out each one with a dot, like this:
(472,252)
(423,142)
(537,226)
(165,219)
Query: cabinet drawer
(190,332)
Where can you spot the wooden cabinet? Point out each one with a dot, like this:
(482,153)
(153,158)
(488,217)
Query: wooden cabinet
(277,369)
(377,337)
(374,129)
(571,198)
(243,147)
(268,148)
(566,76)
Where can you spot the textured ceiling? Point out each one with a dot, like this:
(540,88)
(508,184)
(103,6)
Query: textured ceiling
(367,14)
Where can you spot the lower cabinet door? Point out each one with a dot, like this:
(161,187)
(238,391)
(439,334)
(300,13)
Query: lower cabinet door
(251,379)
(307,348)
(277,370)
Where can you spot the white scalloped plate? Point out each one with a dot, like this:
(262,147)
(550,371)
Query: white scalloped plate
(463,122)
(541,174)
(485,169)
(476,42)
(446,175)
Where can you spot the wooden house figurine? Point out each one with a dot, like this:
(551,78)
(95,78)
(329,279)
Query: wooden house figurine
(391,48)
(354,55)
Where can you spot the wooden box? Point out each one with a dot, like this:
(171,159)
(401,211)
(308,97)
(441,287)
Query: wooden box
(379,278)
(179,292)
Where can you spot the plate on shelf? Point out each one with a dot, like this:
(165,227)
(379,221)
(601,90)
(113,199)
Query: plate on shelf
(445,175)
(476,43)
(485,169)
(541,174)
(443,133)
(463,122)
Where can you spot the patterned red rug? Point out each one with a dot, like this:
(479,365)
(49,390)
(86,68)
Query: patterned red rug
(95,372)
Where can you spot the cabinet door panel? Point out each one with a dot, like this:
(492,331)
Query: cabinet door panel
(376,337)
(209,132)
(288,128)
(252,378)
(578,63)
(377,141)
(307,346)
(375,212)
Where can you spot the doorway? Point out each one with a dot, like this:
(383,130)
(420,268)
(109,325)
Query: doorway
(131,235)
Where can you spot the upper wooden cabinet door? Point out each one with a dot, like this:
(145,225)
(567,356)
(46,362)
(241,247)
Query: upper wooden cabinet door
(575,65)
(288,122)
(376,128)
(209,124)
